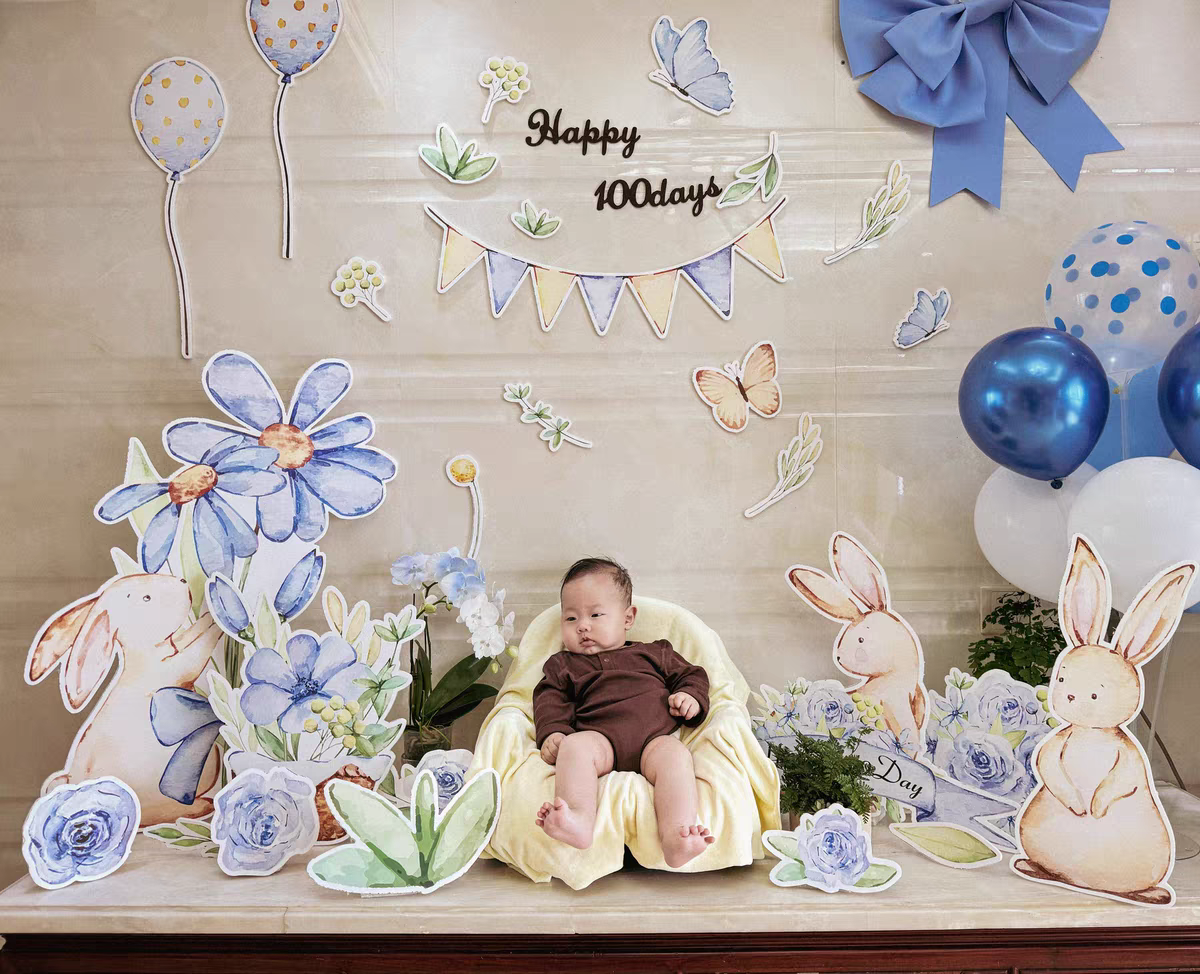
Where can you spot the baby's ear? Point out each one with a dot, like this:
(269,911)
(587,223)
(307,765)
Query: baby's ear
(630,615)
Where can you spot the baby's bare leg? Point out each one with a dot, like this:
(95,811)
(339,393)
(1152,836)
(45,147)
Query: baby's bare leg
(667,765)
(583,758)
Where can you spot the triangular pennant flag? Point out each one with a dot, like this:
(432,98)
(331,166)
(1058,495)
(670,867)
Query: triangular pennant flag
(459,255)
(760,247)
(712,276)
(655,295)
(550,288)
(504,274)
(600,295)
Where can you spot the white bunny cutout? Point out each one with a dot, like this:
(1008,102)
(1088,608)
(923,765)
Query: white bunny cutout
(136,621)
(875,643)
(1095,823)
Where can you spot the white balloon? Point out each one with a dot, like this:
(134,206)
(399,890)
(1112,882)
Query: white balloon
(1021,526)
(1143,515)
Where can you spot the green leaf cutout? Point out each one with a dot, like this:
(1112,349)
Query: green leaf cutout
(190,560)
(466,826)
(531,216)
(355,868)
(139,470)
(789,873)
(449,146)
(271,744)
(771,179)
(381,826)
(475,170)
(737,192)
(877,874)
(947,843)
(783,843)
(435,158)
(752,167)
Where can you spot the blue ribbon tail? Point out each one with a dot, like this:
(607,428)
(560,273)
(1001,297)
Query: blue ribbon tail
(971,156)
(956,805)
(1063,131)
(181,776)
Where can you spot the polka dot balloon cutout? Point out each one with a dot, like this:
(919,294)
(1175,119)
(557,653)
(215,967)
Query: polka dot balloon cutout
(178,112)
(1128,290)
(292,35)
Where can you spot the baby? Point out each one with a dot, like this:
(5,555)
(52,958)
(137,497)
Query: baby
(606,704)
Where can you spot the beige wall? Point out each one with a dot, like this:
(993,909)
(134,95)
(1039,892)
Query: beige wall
(90,357)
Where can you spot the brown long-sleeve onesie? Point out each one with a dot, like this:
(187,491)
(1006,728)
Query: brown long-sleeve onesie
(620,693)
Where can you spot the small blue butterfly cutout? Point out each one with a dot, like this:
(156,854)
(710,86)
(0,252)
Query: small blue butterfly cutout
(927,318)
(687,67)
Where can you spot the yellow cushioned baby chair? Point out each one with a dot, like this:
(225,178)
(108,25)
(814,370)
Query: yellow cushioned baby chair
(738,785)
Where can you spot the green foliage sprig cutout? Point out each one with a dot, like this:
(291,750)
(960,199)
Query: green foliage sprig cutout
(880,212)
(1029,644)
(762,174)
(554,428)
(534,222)
(821,771)
(458,165)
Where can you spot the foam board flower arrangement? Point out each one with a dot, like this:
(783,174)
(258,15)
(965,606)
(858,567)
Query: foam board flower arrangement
(829,851)
(239,523)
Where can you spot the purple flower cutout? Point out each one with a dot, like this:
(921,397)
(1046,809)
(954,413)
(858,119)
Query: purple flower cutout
(282,691)
(263,818)
(80,832)
(836,852)
(230,465)
(325,468)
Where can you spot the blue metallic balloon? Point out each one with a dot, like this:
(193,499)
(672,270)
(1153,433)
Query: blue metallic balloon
(1035,401)
(1179,395)
(1134,427)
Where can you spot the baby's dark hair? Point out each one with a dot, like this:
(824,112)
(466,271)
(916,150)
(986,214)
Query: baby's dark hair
(606,566)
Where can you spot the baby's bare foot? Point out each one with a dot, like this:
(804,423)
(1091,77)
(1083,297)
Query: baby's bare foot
(685,843)
(563,823)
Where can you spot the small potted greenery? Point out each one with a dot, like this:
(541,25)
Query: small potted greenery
(1027,644)
(816,772)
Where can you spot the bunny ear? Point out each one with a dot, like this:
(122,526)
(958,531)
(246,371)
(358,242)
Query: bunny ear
(55,638)
(861,573)
(823,594)
(1085,600)
(87,665)
(1149,625)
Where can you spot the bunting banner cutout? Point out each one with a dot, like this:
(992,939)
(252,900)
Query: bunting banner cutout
(654,291)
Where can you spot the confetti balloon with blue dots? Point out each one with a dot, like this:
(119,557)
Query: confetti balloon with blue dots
(1128,290)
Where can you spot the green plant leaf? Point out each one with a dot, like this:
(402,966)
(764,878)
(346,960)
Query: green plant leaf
(789,873)
(266,623)
(1015,737)
(466,154)
(190,563)
(465,702)
(379,825)
(165,832)
(947,843)
(353,867)
(449,146)
(771,179)
(466,826)
(737,192)
(384,633)
(547,228)
(271,744)
(752,167)
(434,158)
(188,843)
(531,215)
(475,170)
(424,809)
(364,746)
(200,828)
(521,222)
(460,676)
(877,874)
(784,843)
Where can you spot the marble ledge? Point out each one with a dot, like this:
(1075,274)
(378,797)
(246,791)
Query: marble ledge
(160,891)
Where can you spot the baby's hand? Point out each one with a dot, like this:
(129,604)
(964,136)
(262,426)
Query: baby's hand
(550,747)
(683,705)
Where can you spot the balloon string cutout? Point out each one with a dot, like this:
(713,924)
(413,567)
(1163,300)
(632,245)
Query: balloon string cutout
(185,310)
(285,174)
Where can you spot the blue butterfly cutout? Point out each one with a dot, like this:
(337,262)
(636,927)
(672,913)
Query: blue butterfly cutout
(687,67)
(926,319)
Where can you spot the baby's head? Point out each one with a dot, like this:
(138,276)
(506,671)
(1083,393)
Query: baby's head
(597,606)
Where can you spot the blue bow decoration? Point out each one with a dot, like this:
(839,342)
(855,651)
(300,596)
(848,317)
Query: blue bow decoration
(183,717)
(963,66)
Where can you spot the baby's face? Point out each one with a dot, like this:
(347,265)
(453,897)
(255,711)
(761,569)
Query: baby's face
(595,617)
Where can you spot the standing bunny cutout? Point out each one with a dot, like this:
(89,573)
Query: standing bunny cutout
(136,621)
(875,643)
(1095,822)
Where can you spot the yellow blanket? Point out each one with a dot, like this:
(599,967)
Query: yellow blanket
(738,785)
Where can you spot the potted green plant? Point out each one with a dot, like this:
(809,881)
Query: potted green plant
(1027,644)
(816,772)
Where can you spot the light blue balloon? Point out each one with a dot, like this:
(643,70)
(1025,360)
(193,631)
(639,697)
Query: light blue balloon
(293,35)
(1135,427)
(178,112)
